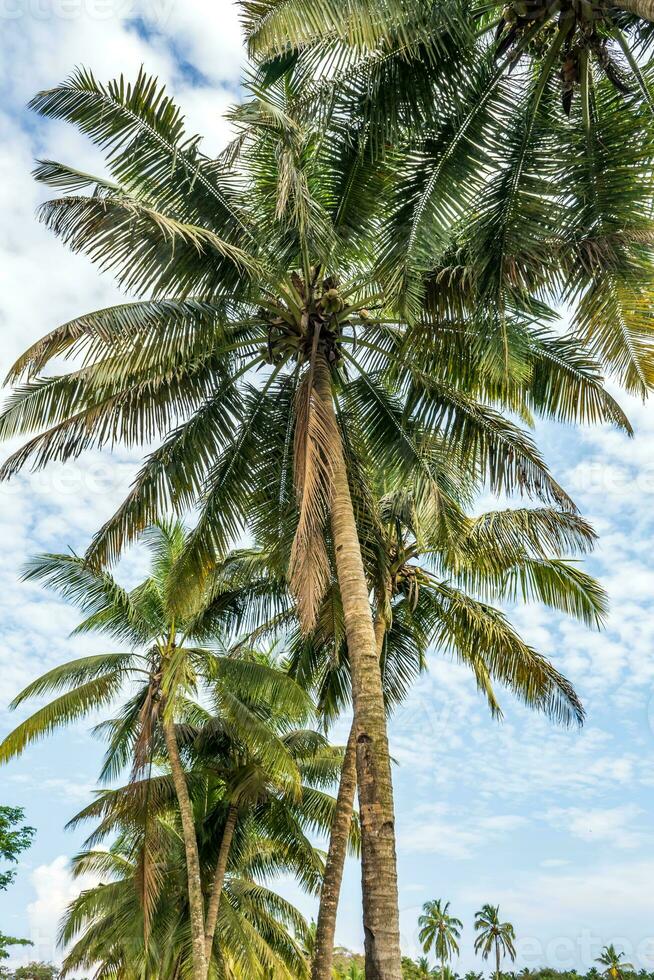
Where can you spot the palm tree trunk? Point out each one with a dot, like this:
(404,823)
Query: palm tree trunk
(378,858)
(641,8)
(323,954)
(194,880)
(497,960)
(219,878)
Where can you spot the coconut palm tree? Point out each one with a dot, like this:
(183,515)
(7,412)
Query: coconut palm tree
(529,124)
(613,963)
(439,931)
(426,598)
(279,823)
(425,577)
(166,668)
(257,929)
(494,936)
(238,792)
(260,291)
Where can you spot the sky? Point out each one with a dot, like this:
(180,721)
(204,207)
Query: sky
(555,825)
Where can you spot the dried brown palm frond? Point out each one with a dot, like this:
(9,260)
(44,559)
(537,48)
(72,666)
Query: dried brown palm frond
(316,443)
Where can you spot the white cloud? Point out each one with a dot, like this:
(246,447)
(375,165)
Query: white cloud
(76,792)
(208,35)
(612,825)
(444,829)
(55,888)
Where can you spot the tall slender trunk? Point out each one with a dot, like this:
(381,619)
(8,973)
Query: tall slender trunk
(323,953)
(195,898)
(497,960)
(378,858)
(219,878)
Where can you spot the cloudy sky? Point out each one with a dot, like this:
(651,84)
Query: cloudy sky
(555,825)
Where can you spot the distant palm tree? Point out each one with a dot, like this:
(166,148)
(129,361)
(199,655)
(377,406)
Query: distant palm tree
(494,934)
(611,960)
(440,930)
(424,969)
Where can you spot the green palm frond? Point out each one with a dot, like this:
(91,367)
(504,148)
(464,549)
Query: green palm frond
(142,132)
(67,708)
(561,585)
(138,244)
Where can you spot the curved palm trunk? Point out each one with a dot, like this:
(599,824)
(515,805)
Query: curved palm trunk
(378,858)
(323,956)
(195,898)
(641,8)
(219,878)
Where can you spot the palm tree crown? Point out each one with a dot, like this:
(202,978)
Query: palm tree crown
(439,931)
(613,963)
(530,126)
(494,935)
(143,876)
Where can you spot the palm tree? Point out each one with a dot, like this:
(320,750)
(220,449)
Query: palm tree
(166,668)
(613,963)
(104,925)
(425,598)
(529,128)
(424,970)
(262,296)
(273,829)
(238,792)
(429,572)
(439,931)
(494,935)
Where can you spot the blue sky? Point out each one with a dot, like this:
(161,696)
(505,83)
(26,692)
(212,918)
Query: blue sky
(555,825)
